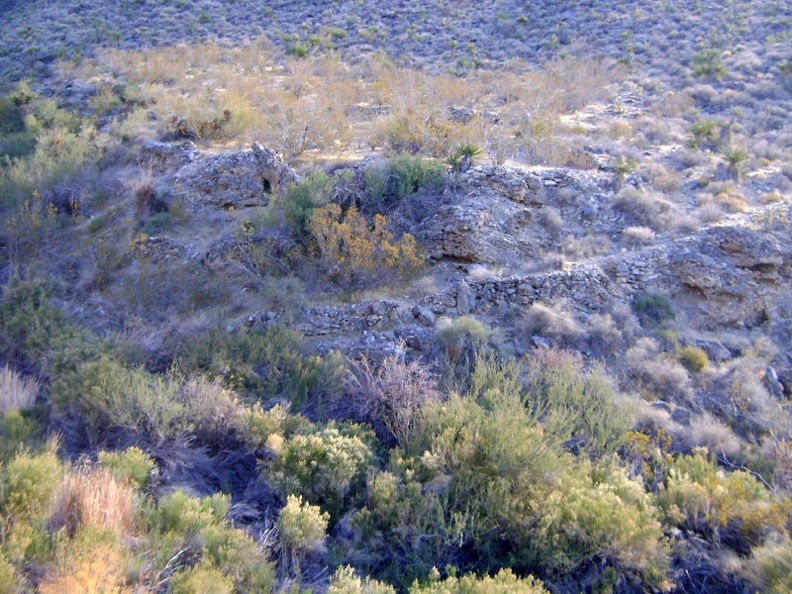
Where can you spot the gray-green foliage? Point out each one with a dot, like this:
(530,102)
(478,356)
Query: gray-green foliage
(301,199)
(108,401)
(575,403)
(400,177)
(267,362)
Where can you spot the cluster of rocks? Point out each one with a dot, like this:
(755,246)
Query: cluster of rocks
(225,180)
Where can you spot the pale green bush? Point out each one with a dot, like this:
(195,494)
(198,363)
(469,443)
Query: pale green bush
(344,581)
(29,483)
(731,508)
(575,403)
(599,510)
(504,582)
(302,528)
(328,468)
(132,465)
(201,580)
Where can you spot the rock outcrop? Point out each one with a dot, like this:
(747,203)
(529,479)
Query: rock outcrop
(224,180)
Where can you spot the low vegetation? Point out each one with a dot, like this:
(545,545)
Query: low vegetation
(329,390)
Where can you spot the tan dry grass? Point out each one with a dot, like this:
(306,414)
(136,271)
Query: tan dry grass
(236,95)
(93,498)
(16,390)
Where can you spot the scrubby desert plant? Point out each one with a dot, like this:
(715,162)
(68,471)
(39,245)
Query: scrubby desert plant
(356,254)
(328,467)
(693,358)
(462,158)
(395,181)
(131,465)
(302,529)
(391,395)
(201,580)
(344,581)
(461,337)
(653,309)
(727,508)
(553,321)
(735,157)
(638,236)
(503,582)
(29,482)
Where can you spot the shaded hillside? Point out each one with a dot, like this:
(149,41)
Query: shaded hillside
(395,297)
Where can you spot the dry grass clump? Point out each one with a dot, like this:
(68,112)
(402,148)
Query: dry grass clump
(709,432)
(647,208)
(660,377)
(92,498)
(391,395)
(552,321)
(638,236)
(16,390)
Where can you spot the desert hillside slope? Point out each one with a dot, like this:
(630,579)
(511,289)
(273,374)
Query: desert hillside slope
(371,297)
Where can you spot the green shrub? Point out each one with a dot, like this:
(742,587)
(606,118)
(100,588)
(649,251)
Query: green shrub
(302,199)
(238,556)
(400,177)
(8,580)
(344,581)
(728,508)
(104,398)
(573,403)
(184,514)
(183,529)
(162,221)
(391,530)
(461,337)
(653,309)
(328,468)
(770,566)
(18,429)
(504,582)
(693,358)
(96,223)
(599,511)
(131,465)
(708,63)
(29,483)
(297,50)
(201,580)
(37,336)
(109,402)
(302,528)
(462,158)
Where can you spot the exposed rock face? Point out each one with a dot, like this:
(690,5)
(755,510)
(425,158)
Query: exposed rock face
(491,219)
(162,157)
(226,180)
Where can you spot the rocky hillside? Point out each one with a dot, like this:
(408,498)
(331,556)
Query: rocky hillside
(378,297)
